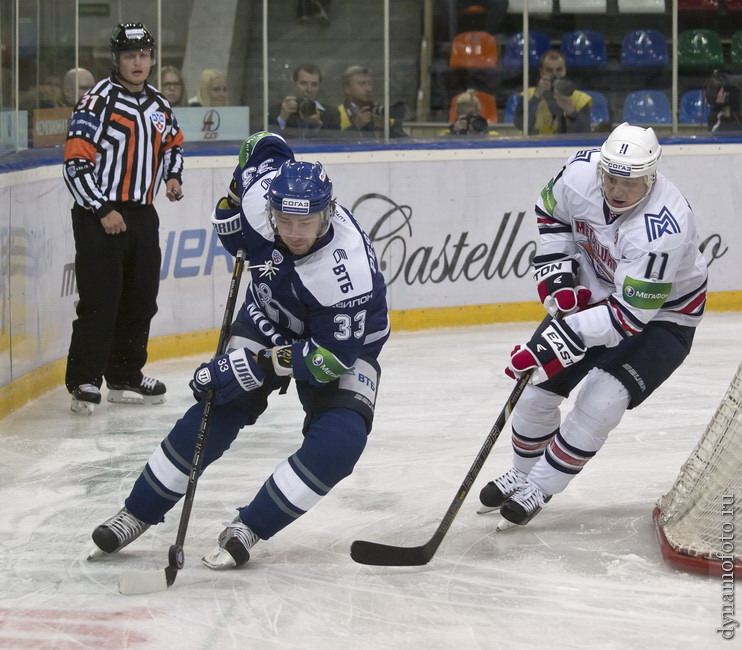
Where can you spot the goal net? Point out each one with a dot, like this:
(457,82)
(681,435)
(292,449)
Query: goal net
(695,520)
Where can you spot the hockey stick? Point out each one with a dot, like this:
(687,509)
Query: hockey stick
(145,582)
(385,555)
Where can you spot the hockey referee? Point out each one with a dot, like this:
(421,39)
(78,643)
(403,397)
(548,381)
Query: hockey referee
(123,140)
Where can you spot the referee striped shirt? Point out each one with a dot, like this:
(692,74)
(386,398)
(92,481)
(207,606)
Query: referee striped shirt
(120,145)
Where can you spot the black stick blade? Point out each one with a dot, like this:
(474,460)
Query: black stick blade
(385,555)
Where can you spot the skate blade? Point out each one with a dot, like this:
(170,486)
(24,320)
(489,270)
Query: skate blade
(81,407)
(94,553)
(483,510)
(219,559)
(130,397)
(504,524)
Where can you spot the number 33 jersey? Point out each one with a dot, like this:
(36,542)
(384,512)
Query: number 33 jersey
(330,301)
(644,264)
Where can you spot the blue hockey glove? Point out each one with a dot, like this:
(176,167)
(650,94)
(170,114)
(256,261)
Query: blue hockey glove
(230,375)
(547,353)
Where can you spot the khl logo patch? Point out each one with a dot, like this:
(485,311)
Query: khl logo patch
(158,119)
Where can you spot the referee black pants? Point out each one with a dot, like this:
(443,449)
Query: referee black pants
(118,277)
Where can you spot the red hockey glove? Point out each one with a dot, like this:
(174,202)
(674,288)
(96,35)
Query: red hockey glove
(548,352)
(556,277)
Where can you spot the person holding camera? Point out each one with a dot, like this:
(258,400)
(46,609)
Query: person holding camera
(723,98)
(555,105)
(468,120)
(359,115)
(300,114)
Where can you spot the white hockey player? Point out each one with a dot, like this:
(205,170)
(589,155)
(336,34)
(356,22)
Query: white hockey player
(620,264)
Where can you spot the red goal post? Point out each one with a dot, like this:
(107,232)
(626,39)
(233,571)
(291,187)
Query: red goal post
(696,522)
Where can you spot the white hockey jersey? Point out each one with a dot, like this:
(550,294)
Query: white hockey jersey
(642,265)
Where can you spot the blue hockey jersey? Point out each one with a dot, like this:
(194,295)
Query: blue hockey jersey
(327,303)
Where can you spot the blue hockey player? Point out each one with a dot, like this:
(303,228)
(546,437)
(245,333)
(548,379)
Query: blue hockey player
(315,310)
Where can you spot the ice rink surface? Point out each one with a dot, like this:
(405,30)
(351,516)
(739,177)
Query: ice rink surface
(586,573)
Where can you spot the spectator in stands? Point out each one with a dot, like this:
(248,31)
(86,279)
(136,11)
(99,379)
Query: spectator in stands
(45,95)
(468,118)
(725,113)
(555,105)
(173,87)
(359,115)
(300,114)
(76,82)
(318,9)
(212,89)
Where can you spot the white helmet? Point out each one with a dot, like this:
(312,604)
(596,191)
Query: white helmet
(631,152)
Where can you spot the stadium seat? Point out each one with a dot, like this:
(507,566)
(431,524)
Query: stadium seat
(644,47)
(473,50)
(534,6)
(584,48)
(487,107)
(538,43)
(647,107)
(641,6)
(700,47)
(510,108)
(735,52)
(733,6)
(581,6)
(693,108)
(698,5)
(601,114)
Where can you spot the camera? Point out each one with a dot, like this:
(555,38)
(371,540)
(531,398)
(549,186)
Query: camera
(475,125)
(397,111)
(307,107)
(563,86)
(732,85)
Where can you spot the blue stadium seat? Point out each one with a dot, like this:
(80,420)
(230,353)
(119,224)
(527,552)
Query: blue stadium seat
(693,108)
(644,47)
(601,114)
(510,108)
(647,107)
(584,48)
(538,43)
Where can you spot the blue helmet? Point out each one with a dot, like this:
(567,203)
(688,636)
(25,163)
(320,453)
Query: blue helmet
(301,188)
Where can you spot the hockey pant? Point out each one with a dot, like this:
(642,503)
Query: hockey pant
(552,455)
(338,420)
(615,379)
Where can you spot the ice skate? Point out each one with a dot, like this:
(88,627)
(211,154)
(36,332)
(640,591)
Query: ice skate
(496,492)
(84,399)
(524,505)
(118,531)
(234,546)
(149,391)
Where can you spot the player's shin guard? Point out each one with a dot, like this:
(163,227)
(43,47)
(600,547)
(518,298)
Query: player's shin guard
(331,448)
(535,421)
(164,479)
(599,407)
